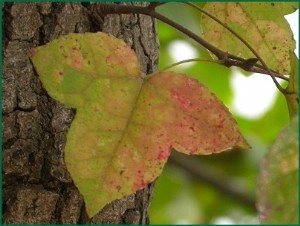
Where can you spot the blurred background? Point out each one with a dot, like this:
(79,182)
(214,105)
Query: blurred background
(220,188)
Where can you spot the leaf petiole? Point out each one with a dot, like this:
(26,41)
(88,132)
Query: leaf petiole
(191,60)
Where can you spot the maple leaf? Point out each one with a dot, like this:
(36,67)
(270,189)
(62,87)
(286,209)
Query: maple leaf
(126,125)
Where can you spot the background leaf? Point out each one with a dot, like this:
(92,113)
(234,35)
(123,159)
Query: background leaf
(293,87)
(261,24)
(278,183)
(126,126)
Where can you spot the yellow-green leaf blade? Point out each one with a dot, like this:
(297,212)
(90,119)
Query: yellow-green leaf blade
(170,111)
(261,24)
(68,66)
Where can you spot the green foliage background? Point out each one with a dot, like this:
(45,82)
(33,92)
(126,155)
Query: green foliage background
(179,198)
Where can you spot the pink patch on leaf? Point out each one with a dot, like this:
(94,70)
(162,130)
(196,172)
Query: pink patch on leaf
(76,62)
(221,124)
(140,181)
(192,84)
(164,154)
(76,59)
(181,100)
(140,184)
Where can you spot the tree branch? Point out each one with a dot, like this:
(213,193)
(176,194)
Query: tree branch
(227,59)
(153,5)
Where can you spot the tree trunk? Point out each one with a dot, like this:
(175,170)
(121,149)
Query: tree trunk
(37,188)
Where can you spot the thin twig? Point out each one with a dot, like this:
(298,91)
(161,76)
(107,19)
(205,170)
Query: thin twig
(242,40)
(191,60)
(208,61)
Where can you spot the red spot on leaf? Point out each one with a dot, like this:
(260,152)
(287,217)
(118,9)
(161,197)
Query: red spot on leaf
(159,135)
(221,124)
(192,128)
(164,154)
(192,84)
(181,100)
(76,58)
(139,184)
(76,62)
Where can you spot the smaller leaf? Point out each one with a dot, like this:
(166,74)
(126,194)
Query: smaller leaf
(261,24)
(278,187)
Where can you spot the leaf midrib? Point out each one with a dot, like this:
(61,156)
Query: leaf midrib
(116,148)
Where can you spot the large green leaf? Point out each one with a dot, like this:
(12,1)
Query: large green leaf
(278,184)
(126,125)
(261,24)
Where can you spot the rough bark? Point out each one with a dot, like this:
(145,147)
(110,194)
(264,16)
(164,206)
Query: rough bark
(37,188)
